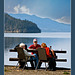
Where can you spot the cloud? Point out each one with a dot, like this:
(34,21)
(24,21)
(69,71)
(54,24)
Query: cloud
(21,9)
(65,20)
(16,8)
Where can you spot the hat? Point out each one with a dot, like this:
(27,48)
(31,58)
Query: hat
(21,45)
(34,40)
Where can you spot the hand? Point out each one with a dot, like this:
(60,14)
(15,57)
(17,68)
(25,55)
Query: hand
(34,56)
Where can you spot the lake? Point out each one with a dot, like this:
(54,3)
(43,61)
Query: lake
(58,41)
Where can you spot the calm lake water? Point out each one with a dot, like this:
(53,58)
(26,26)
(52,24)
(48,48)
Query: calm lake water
(58,41)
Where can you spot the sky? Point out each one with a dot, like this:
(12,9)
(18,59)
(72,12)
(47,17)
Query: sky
(57,10)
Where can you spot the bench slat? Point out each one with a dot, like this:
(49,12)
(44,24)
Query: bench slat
(13,59)
(56,51)
(59,51)
(60,60)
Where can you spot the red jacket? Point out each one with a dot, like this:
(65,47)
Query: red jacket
(48,52)
(34,47)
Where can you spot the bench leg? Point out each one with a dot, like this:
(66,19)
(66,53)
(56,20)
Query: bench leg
(16,65)
(46,66)
(37,65)
(24,65)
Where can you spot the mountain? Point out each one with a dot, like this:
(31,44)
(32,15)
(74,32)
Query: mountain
(21,26)
(45,24)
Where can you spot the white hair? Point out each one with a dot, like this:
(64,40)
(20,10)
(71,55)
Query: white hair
(21,45)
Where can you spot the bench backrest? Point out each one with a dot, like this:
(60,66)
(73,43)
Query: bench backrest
(42,54)
(21,54)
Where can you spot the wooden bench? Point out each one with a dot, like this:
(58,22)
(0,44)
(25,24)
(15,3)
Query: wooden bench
(56,51)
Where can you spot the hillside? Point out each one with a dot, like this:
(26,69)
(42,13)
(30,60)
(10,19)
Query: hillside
(45,24)
(19,26)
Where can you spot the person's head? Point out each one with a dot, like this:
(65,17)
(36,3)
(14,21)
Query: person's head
(22,45)
(35,41)
(43,45)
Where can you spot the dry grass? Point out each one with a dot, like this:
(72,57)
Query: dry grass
(14,71)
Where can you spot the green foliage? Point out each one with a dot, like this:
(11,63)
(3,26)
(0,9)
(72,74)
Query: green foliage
(5,70)
(21,26)
(66,73)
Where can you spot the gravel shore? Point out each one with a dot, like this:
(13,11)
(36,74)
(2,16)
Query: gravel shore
(16,71)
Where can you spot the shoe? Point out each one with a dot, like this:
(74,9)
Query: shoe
(21,67)
(33,68)
(51,69)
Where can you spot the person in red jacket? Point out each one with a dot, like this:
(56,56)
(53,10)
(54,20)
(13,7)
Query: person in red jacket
(34,46)
(52,63)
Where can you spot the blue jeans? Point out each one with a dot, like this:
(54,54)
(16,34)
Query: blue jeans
(35,58)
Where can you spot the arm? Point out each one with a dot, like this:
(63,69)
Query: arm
(30,47)
(48,52)
(27,54)
(53,52)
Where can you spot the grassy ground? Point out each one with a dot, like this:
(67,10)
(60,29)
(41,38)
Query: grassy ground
(16,71)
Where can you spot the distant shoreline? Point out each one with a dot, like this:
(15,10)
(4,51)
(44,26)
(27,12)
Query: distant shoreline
(34,32)
(19,32)
(40,35)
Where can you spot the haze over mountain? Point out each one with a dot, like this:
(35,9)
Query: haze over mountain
(45,24)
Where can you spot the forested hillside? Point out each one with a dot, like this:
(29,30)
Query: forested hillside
(14,25)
